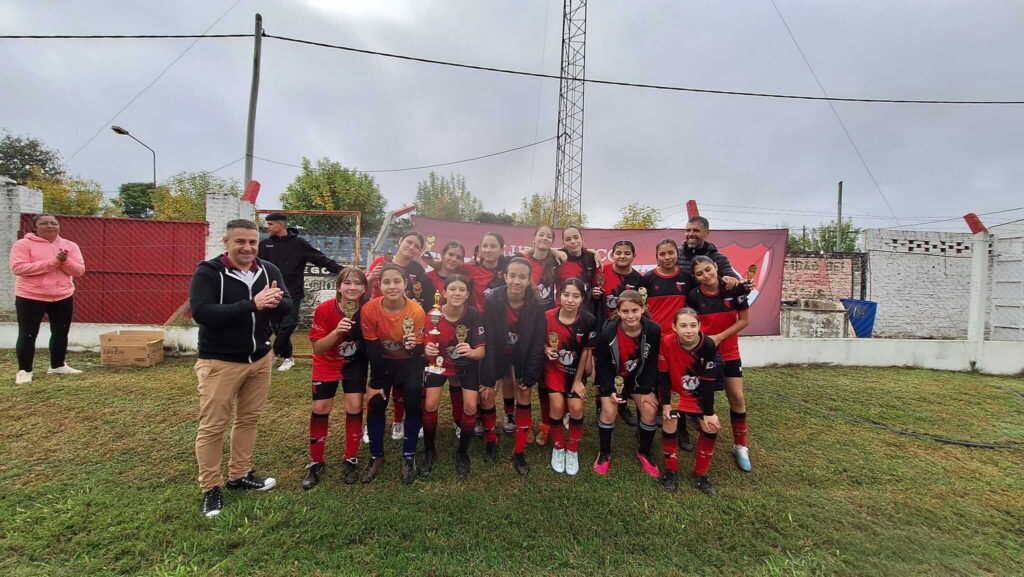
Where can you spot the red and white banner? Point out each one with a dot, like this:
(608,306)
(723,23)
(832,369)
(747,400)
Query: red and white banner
(765,248)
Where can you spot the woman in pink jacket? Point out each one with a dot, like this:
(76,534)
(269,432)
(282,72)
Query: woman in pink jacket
(44,265)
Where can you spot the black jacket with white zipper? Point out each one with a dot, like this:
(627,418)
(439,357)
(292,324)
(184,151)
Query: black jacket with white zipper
(607,361)
(230,327)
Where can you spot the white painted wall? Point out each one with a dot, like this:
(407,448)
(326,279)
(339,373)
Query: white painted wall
(14,200)
(87,335)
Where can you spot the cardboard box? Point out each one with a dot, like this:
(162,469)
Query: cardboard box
(132,348)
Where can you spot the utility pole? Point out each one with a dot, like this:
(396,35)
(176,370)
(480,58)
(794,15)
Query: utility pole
(839,218)
(250,129)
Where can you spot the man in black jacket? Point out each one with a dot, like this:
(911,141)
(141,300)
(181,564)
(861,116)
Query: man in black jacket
(695,244)
(290,253)
(234,297)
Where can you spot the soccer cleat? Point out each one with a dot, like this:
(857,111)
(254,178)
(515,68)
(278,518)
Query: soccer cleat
(251,482)
(427,463)
(742,456)
(705,486)
(376,464)
(351,471)
(626,415)
(462,465)
(519,464)
(23,378)
(63,370)
(558,460)
(490,453)
(397,432)
(572,463)
(408,470)
(510,423)
(287,364)
(650,468)
(420,436)
(668,481)
(313,472)
(213,502)
(602,464)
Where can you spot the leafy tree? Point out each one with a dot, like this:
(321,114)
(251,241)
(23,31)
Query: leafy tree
(447,198)
(636,215)
(133,199)
(183,196)
(495,218)
(66,196)
(538,209)
(826,238)
(330,186)
(19,154)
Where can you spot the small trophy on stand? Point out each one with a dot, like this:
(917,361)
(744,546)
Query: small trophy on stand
(461,334)
(389,258)
(349,308)
(643,296)
(417,291)
(407,326)
(553,340)
(751,274)
(620,383)
(435,320)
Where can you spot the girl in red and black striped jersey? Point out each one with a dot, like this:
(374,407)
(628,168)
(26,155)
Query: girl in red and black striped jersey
(461,345)
(514,322)
(626,354)
(723,314)
(569,346)
(393,331)
(338,355)
(545,268)
(688,365)
(580,262)
(667,285)
(454,356)
(453,257)
(487,273)
(615,277)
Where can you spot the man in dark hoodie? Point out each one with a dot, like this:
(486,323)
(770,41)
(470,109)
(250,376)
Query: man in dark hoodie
(695,244)
(234,297)
(290,253)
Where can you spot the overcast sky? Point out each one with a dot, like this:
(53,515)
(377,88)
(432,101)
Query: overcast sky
(755,158)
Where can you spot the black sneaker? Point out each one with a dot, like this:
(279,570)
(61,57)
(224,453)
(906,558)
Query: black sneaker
(427,463)
(705,486)
(668,481)
(313,472)
(251,482)
(626,415)
(520,464)
(351,471)
(408,470)
(376,464)
(213,502)
(490,453)
(462,465)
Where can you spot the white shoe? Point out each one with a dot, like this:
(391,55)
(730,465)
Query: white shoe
(366,436)
(572,463)
(558,460)
(397,431)
(287,364)
(63,370)
(23,378)
(458,431)
(421,433)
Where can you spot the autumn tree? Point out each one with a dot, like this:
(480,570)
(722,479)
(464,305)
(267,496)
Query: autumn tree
(66,195)
(636,215)
(447,198)
(826,238)
(183,196)
(20,154)
(539,208)
(327,185)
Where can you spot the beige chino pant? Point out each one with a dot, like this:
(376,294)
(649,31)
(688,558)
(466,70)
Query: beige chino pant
(224,386)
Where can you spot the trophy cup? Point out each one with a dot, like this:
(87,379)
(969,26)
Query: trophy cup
(751,273)
(643,295)
(619,384)
(461,333)
(435,315)
(349,308)
(389,258)
(438,367)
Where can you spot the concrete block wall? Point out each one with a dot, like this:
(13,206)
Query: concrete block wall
(14,200)
(921,281)
(814,276)
(221,208)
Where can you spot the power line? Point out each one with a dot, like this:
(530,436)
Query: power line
(104,126)
(960,217)
(425,165)
(636,84)
(118,36)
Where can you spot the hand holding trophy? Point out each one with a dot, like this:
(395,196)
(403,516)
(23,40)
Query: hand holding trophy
(435,319)
(407,327)
(620,384)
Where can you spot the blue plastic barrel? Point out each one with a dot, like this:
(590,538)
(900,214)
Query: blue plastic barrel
(862,316)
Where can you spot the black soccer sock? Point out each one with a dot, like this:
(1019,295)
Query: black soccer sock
(604,433)
(646,438)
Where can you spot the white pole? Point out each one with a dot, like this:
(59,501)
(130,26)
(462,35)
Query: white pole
(979,288)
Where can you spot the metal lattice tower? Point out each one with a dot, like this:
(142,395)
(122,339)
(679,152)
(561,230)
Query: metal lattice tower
(569,154)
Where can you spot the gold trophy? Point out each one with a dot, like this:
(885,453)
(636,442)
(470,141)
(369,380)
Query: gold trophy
(407,326)
(389,258)
(349,308)
(553,340)
(751,273)
(643,295)
(435,315)
(461,333)
(431,239)
(619,384)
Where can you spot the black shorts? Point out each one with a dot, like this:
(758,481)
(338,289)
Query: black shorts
(323,390)
(625,391)
(733,369)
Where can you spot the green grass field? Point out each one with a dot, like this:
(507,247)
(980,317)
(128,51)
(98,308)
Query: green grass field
(97,477)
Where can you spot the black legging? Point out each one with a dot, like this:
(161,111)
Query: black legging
(30,316)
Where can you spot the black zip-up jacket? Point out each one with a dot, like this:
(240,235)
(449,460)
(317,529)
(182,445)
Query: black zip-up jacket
(606,356)
(290,254)
(527,355)
(709,250)
(230,327)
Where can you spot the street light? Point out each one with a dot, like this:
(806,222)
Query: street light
(123,132)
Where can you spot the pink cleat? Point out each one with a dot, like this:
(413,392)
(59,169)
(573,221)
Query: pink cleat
(648,467)
(602,464)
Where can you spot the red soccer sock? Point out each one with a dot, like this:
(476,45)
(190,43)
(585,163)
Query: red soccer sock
(705,450)
(353,434)
(398,395)
(487,419)
(524,419)
(670,450)
(575,434)
(557,433)
(739,427)
(429,429)
(455,393)
(317,436)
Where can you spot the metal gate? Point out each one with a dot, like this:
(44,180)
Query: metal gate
(1006,296)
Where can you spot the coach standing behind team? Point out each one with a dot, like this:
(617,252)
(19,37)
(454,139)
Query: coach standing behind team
(695,244)
(290,253)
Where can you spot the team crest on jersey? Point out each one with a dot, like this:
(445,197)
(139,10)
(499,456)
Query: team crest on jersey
(690,382)
(480,330)
(488,291)
(710,365)
(679,286)
(391,346)
(452,354)
(348,348)
(543,291)
(631,365)
(513,338)
(611,301)
(567,358)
